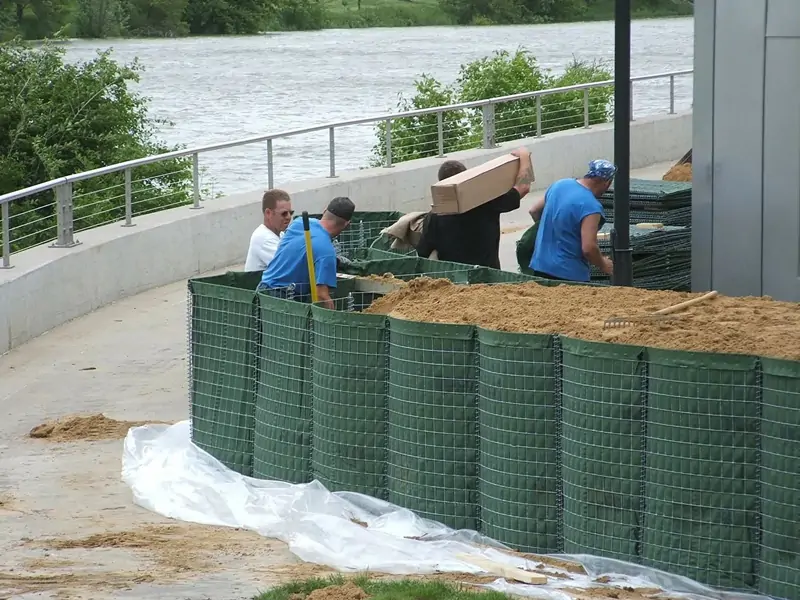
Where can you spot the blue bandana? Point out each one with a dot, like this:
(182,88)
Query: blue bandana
(601,169)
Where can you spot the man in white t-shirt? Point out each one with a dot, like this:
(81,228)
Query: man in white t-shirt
(276,207)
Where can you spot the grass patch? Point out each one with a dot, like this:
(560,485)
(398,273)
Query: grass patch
(362,587)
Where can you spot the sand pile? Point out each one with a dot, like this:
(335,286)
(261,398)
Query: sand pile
(758,326)
(679,173)
(84,428)
(347,591)
(173,548)
(386,278)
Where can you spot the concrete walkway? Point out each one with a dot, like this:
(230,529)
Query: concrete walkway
(68,528)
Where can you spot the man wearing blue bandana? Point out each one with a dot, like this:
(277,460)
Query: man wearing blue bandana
(569,217)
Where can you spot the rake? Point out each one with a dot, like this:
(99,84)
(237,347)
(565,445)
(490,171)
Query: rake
(660,316)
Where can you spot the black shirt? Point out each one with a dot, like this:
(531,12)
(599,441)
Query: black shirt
(472,237)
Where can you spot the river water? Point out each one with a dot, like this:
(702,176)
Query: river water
(223,88)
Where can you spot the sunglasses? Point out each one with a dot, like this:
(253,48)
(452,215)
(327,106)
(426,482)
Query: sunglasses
(286,213)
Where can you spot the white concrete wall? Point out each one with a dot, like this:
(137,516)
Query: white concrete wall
(49,286)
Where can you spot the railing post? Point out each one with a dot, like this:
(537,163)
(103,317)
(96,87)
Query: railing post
(632,119)
(538,116)
(672,94)
(440,131)
(128,199)
(196,181)
(270,166)
(6,228)
(388,142)
(488,126)
(586,108)
(332,151)
(64,222)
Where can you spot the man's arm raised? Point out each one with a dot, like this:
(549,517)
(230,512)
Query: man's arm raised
(525,172)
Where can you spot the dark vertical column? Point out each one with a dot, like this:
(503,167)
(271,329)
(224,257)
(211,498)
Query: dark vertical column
(623,271)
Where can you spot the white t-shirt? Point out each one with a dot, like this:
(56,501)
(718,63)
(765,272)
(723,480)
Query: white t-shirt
(263,244)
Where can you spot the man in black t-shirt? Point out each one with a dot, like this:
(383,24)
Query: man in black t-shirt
(473,237)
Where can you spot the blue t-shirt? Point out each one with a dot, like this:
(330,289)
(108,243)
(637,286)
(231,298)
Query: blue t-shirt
(558,242)
(290,265)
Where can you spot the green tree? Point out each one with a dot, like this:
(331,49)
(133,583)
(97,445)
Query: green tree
(60,118)
(34,19)
(416,137)
(502,74)
(157,18)
(567,110)
(99,18)
(299,15)
(214,17)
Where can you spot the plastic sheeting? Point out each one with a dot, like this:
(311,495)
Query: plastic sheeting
(171,476)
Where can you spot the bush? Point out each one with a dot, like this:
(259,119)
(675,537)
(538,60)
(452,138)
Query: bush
(501,74)
(60,118)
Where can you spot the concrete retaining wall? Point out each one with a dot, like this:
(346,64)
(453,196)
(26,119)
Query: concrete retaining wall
(49,286)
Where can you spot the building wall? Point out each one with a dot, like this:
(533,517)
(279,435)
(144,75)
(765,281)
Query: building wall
(746,159)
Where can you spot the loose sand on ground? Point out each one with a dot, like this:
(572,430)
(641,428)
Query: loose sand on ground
(759,326)
(84,428)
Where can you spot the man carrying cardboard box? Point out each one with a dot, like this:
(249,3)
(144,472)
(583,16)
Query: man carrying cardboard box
(473,236)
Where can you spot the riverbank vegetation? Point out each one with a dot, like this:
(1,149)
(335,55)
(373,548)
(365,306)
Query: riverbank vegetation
(502,74)
(58,118)
(38,19)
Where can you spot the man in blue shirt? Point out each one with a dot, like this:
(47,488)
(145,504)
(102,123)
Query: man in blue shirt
(289,267)
(569,217)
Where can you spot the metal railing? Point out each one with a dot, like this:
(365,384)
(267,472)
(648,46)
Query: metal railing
(62,221)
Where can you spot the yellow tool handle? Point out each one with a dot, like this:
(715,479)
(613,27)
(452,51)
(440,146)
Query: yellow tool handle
(312,277)
(686,304)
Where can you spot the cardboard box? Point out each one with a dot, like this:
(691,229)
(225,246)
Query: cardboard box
(475,186)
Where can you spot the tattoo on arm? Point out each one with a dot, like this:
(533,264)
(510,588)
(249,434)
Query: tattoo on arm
(524,174)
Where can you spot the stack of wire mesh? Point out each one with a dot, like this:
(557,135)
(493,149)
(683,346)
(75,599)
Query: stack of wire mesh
(662,256)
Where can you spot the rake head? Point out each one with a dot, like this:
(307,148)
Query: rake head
(615,322)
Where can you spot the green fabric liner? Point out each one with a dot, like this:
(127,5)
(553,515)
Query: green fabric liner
(282,441)
(489,275)
(432,423)
(350,370)
(780,479)
(602,432)
(373,253)
(701,481)
(518,440)
(224,350)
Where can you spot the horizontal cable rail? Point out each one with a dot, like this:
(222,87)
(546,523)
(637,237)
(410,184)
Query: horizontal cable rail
(81,207)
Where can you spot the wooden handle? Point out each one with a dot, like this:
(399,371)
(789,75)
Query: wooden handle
(686,304)
(502,570)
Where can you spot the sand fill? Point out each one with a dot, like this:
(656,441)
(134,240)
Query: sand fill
(390,277)
(85,428)
(679,173)
(347,591)
(753,326)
